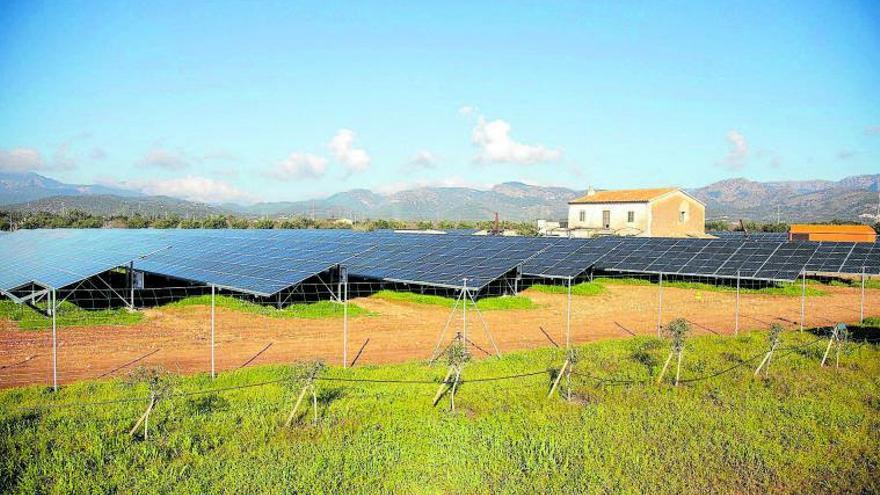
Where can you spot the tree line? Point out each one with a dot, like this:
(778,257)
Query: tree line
(14,220)
(78,219)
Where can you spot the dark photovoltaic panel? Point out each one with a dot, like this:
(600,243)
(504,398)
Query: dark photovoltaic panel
(261,263)
(751,236)
(445,260)
(62,257)
(865,257)
(569,258)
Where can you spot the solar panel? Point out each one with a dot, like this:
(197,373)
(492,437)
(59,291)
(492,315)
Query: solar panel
(62,257)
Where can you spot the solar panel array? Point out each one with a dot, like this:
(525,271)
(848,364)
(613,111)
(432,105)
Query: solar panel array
(261,264)
(58,258)
(264,262)
(444,261)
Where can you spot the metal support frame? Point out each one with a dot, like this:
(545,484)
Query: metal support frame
(435,354)
(131,281)
(485,325)
(213,291)
(660,306)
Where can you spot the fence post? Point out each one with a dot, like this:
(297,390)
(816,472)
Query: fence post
(213,374)
(862,300)
(803,298)
(464,295)
(54,301)
(660,305)
(344,276)
(736,324)
(568,318)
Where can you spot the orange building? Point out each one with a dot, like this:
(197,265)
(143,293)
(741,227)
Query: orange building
(831,233)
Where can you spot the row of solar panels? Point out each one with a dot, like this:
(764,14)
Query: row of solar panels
(264,262)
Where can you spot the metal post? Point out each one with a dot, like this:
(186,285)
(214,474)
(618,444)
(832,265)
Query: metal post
(568,318)
(736,324)
(53,302)
(213,375)
(862,301)
(660,306)
(464,313)
(344,276)
(803,298)
(131,281)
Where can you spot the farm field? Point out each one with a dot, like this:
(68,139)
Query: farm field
(799,429)
(399,329)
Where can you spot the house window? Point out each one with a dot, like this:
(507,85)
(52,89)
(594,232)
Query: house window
(606,219)
(630,216)
(583,216)
(682,216)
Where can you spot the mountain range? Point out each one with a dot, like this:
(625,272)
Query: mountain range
(852,198)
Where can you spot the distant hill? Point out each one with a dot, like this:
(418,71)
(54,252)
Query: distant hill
(29,186)
(806,201)
(108,205)
(812,200)
(512,200)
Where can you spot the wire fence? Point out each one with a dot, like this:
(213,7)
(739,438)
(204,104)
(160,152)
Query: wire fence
(98,335)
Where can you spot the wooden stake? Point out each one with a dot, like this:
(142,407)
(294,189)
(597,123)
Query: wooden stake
(443,386)
(296,406)
(452,391)
(665,365)
(558,378)
(143,418)
(678,368)
(830,342)
(314,404)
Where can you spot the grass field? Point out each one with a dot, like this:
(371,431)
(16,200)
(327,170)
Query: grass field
(801,429)
(320,309)
(485,304)
(69,315)
(597,286)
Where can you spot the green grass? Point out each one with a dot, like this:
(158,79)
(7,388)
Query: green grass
(803,429)
(581,289)
(69,315)
(485,304)
(784,289)
(316,310)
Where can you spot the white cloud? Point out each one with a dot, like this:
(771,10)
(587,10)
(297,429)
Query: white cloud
(162,158)
(467,110)
(20,160)
(494,144)
(872,130)
(423,159)
(299,166)
(737,153)
(342,147)
(193,188)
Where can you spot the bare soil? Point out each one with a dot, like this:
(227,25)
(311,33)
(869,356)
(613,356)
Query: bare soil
(179,338)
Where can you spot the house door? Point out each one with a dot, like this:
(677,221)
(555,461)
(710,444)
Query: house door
(606,219)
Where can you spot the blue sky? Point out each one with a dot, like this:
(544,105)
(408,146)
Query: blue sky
(252,101)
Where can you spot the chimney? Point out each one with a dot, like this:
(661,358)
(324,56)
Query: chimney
(591,191)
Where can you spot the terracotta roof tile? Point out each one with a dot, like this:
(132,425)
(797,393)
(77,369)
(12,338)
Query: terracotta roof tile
(623,196)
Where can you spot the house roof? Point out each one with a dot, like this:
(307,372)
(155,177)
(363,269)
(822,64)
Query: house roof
(804,228)
(623,196)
